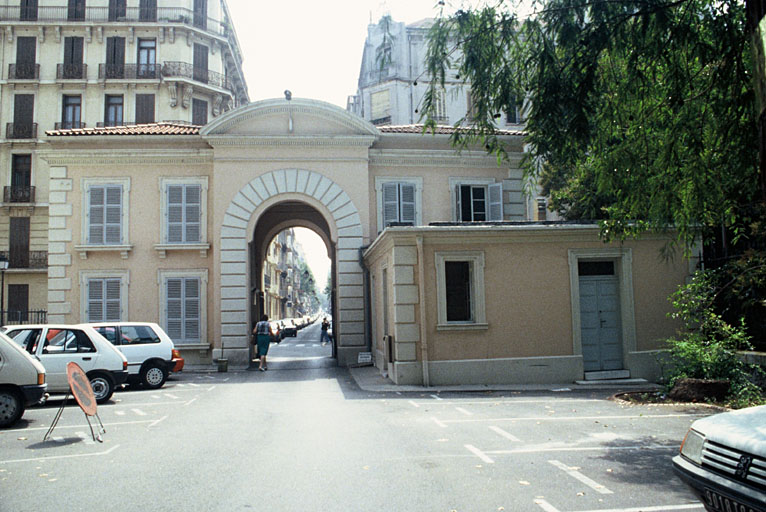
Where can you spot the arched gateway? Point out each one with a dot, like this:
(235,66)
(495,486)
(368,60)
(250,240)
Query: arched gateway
(279,164)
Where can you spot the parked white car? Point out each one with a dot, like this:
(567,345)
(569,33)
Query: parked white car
(723,460)
(147,347)
(55,345)
(22,381)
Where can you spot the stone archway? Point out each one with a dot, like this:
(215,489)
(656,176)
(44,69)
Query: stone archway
(238,225)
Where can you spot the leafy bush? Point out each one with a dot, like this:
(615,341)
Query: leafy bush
(707,349)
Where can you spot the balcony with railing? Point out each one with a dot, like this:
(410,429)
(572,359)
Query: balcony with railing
(77,71)
(21,130)
(17,194)
(24,71)
(103,14)
(129,71)
(14,316)
(32,260)
(69,125)
(175,69)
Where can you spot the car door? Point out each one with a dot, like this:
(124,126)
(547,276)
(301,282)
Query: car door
(59,347)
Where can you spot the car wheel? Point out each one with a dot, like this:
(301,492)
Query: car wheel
(153,376)
(11,407)
(103,387)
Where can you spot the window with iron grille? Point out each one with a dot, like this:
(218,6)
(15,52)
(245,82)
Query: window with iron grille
(71,111)
(147,58)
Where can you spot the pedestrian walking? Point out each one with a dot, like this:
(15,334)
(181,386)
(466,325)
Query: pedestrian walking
(325,335)
(262,333)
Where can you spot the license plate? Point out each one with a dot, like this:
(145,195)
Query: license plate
(722,503)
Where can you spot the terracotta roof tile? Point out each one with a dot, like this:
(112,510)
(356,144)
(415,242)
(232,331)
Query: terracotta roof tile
(439,130)
(163,128)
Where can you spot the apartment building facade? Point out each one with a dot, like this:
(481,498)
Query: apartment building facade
(71,64)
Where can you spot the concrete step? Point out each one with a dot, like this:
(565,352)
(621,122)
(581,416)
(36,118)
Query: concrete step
(607,375)
(613,382)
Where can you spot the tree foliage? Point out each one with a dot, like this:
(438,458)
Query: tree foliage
(640,113)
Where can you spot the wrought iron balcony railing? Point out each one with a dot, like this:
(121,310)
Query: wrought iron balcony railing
(129,71)
(57,14)
(14,316)
(382,120)
(72,71)
(17,194)
(21,130)
(26,259)
(24,71)
(69,125)
(175,69)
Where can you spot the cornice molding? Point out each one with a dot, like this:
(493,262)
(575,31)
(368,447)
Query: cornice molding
(90,157)
(440,158)
(306,141)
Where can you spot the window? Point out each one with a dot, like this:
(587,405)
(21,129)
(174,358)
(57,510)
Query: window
(477,200)
(105,215)
(76,10)
(144,108)
(73,65)
(183,300)
(104,300)
(513,116)
(128,334)
(18,303)
(117,10)
(113,110)
(440,105)
(199,112)
(199,71)
(147,10)
(381,107)
(21,179)
(147,57)
(28,10)
(460,288)
(18,254)
(398,200)
(200,13)
(71,111)
(183,216)
(115,58)
(26,58)
(59,341)
(23,115)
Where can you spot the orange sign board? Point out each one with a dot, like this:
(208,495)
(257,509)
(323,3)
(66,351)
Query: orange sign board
(81,388)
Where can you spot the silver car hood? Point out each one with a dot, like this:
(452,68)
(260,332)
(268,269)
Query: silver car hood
(744,430)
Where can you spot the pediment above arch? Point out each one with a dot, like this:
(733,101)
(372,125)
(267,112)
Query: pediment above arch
(301,119)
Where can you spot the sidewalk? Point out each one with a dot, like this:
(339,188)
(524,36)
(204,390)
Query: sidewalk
(369,378)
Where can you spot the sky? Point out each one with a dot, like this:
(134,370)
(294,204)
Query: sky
(314,49)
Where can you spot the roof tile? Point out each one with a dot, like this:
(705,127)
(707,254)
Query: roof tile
(163,128)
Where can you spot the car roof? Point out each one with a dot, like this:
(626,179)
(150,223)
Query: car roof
(44,326)
(118,324)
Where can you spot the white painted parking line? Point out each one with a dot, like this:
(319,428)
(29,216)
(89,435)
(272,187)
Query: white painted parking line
(505,434)
(546,506)
(584,449)
(582,478)
(139,412)
(58,439)
(495,403)
(661,508)
(300,345)
(471,448)
(581,418)
(190,402)
(442,425)
(120,413)
(87,439)
(414,404)
(154,424)
(55,457)
(435,397)
(59,426)
(170,395)
(467,413)
(194,385)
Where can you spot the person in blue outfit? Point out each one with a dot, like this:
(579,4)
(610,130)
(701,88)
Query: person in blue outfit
(325,335)
(262,334)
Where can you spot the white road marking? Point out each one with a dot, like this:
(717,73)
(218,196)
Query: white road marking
(120,413)
(414,404)
(170,395)
(36,459)
(156,422)
(490,402)
(58,439)
(505,434)
(442,425)
(582,478)
(135,422)
(580,418)
(139,412)
(300,345)
(546,506)
(190,402)
(661,508)
(436,397)
(471,448)
(583,449)
(87,439)
(224,380)
(194,385)
(467,413)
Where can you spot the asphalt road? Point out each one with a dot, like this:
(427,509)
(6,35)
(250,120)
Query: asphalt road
(303,436)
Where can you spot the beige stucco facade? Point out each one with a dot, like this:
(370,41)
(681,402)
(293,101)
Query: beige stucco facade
(282,163)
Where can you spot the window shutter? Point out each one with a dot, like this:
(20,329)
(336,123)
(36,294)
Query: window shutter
(144,108)
(112,306)
(113,215)
(390,203)
(191,309)
(26,49)
(458,204)
(174,309)
(407,197)
(495,202)
(97,199)
(95,300)
(175,213)
(23,112)
(192,213)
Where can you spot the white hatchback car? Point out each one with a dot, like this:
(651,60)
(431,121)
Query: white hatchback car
(55,345)
(147,347)
(22,381)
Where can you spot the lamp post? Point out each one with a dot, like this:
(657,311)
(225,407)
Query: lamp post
(3,268)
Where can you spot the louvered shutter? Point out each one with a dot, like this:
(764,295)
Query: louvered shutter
(97,198)
(191,309)
(458,205)
(174,309)
(407,200)
(112,304)
(495,202)
(390,203)
(113,215)
(95,300)
(192,213)
(175,213)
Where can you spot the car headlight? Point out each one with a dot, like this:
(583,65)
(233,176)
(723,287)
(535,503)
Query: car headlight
(691,448)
